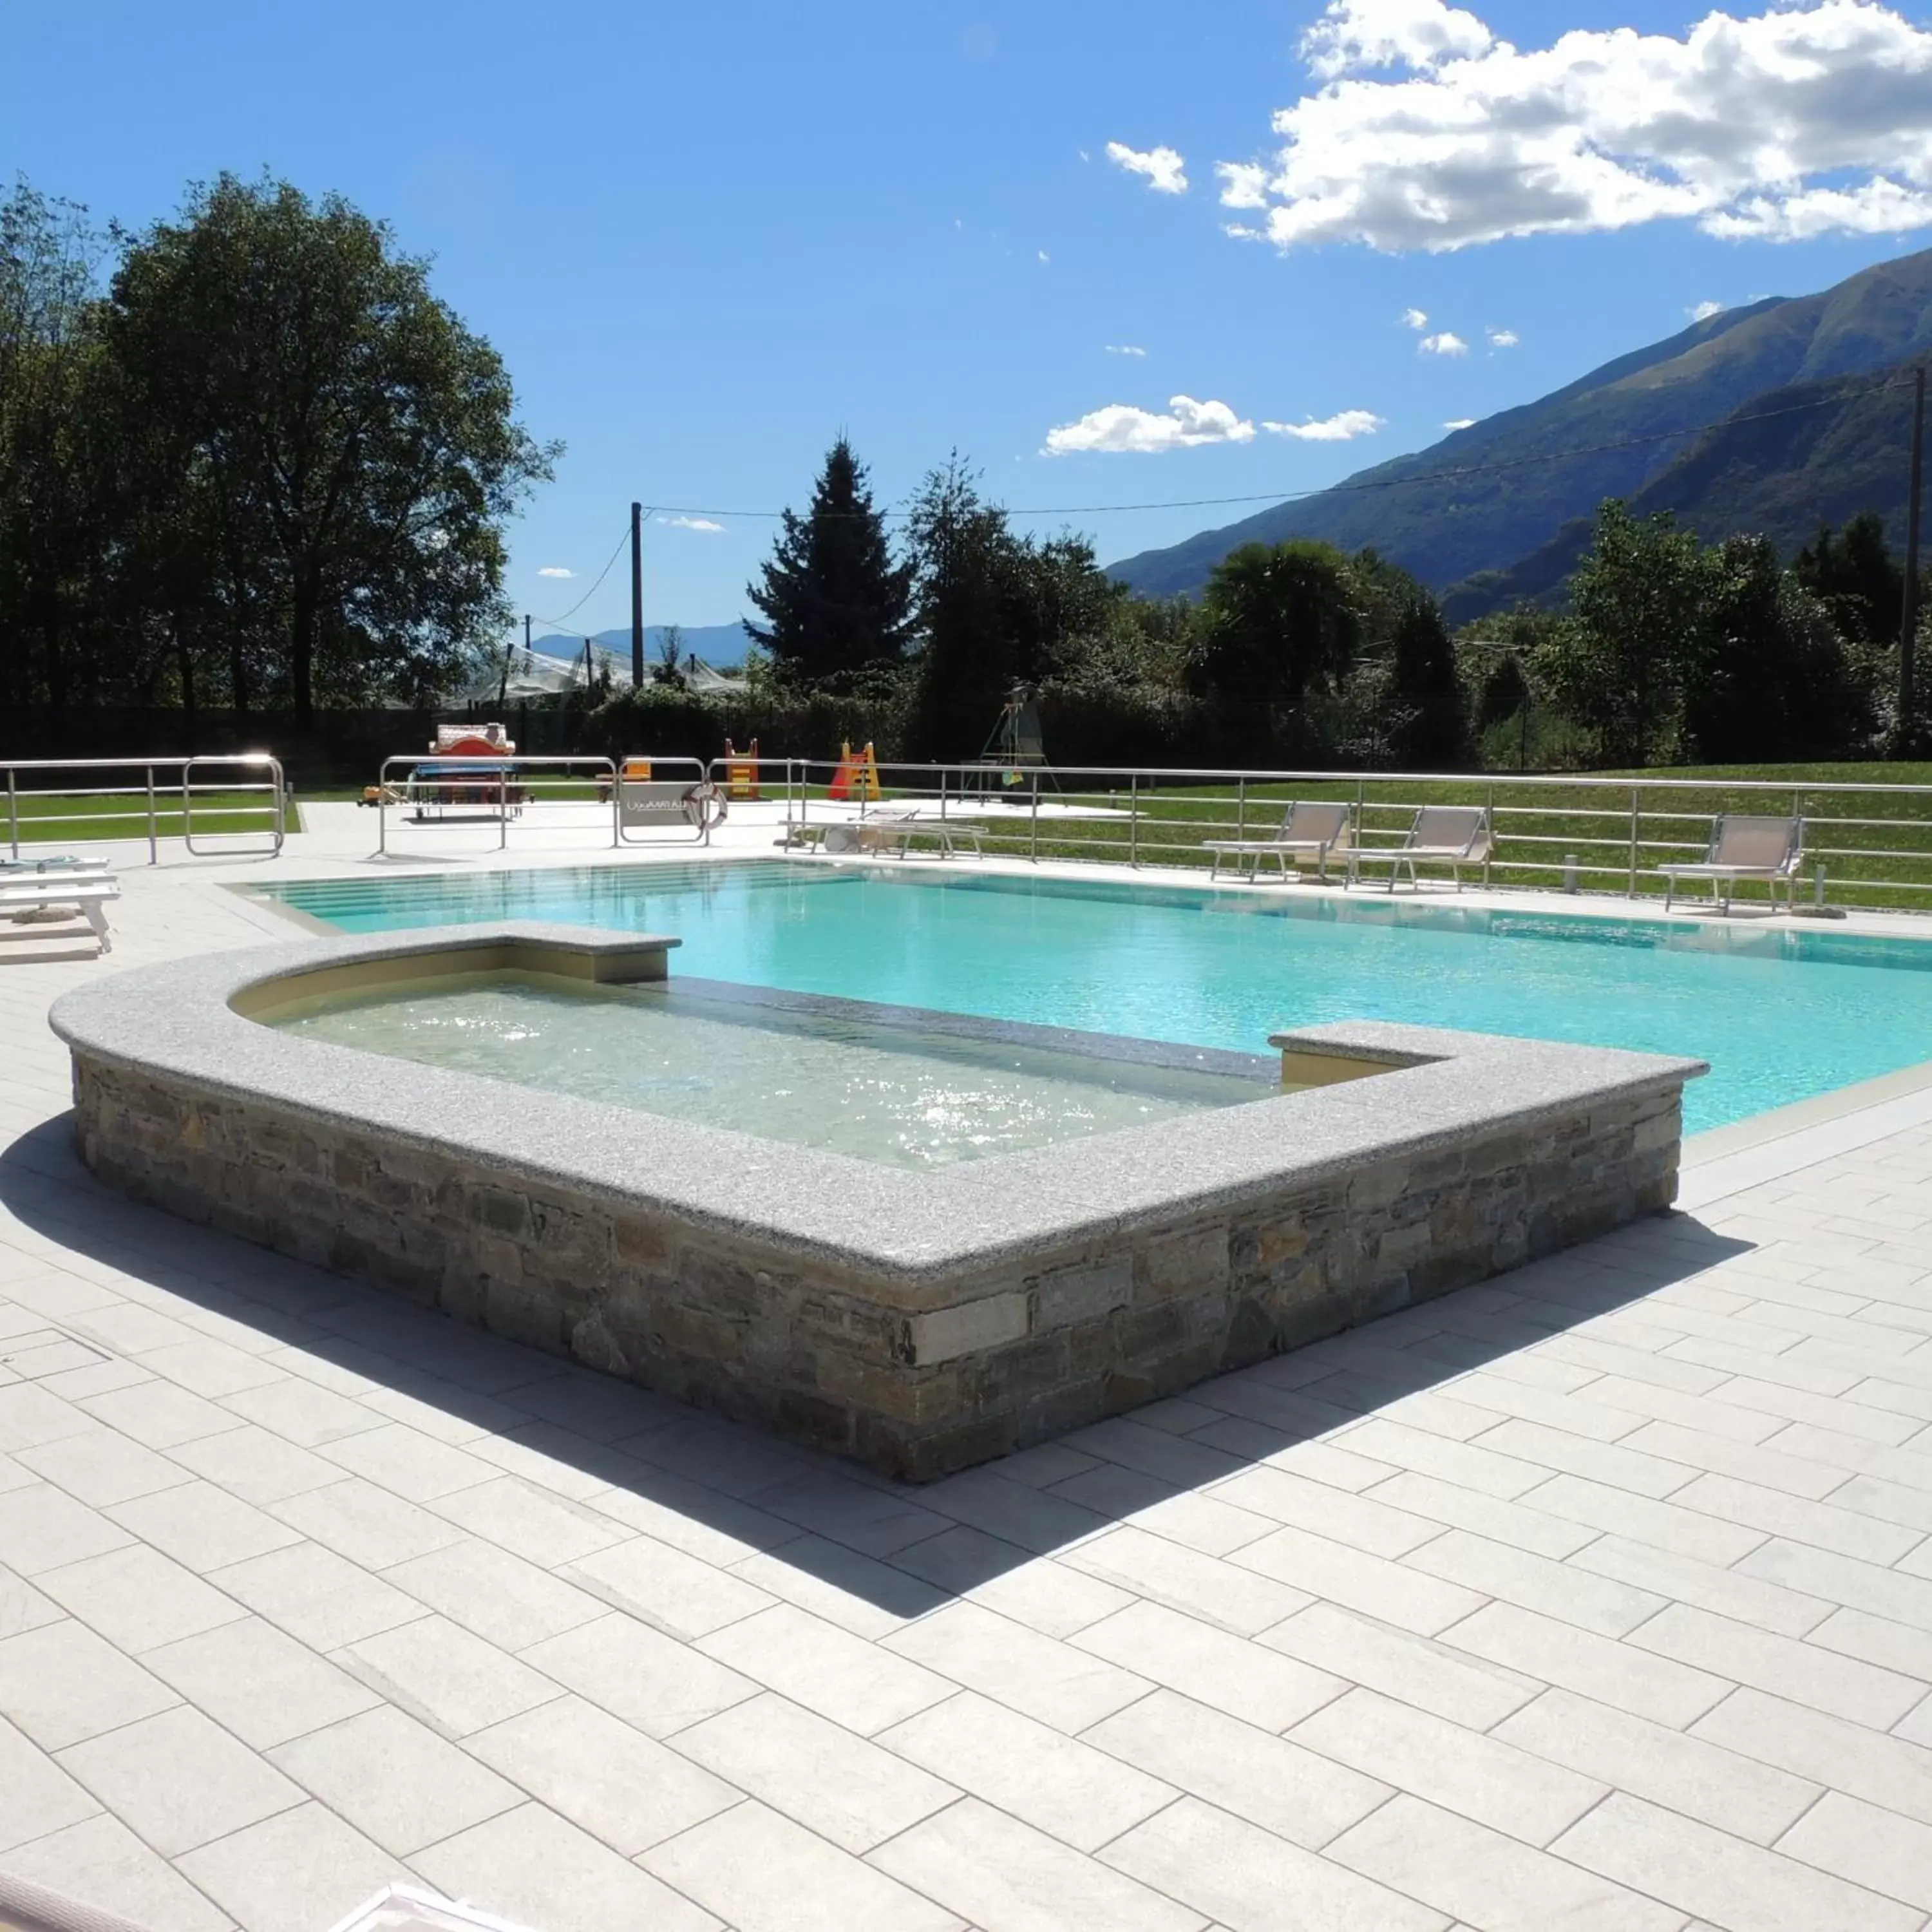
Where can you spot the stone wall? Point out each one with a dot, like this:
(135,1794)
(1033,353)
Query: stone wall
(916,1378)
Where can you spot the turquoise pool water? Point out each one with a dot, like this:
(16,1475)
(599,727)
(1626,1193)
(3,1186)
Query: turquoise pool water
(1781,1015)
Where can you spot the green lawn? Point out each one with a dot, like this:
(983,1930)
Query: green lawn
(39,817)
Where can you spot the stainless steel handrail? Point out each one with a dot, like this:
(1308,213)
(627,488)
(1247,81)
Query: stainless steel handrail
(152,811)
(493,771)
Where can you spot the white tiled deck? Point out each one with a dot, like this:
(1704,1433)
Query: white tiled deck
(1600,1597)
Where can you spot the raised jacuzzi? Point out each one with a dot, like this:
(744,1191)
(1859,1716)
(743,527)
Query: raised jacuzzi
(1182,1213)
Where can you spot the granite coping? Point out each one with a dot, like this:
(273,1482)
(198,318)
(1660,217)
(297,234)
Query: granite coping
(179,1022)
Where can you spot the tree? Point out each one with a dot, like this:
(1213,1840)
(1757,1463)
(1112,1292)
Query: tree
(669,668)
(1858,581)
(833,600)
(1280,621)
(353,442)
(1425,726)
(1618,666)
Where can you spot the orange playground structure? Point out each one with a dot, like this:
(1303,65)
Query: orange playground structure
(741,771)
(857,775)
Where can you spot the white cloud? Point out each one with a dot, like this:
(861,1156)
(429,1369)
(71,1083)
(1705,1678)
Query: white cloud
(1343,428)
(1414,318)
(1165,170)
(1044,257)
(1461,422)
(1244,183)
(554,570)
(1448,343)
(1703,311)
(1356,33)
(1124,348)
(1502,338)
(704,523)
(1121,427)
(1806,118)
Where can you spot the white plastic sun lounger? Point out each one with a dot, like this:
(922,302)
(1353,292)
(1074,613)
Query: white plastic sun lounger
(894,827)
(83,892)
(1454,835)
(1770,849)
(1307,830)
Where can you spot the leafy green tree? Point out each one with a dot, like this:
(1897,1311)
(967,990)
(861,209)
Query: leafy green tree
(1618,668)
(1425,725)
(1279,622)
(1858,580)
(357,442)
(833,600)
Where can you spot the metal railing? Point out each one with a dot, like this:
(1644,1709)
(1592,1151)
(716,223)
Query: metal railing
(1867,843)
(156,801)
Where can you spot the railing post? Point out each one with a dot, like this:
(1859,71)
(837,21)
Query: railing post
(1134,819)
(503,806)
(1241,810)
(942,794)
(1630,890)
(153,849)
(12,814)
(1490,849)
(616,804)
(1033,851)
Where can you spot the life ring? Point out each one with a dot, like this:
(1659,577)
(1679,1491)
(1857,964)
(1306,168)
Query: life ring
(705,802)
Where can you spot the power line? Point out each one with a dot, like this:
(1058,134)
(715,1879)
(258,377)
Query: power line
(558,623)
(1345,489)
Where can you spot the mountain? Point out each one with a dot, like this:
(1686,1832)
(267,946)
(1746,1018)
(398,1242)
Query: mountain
(1615,433)
(721,646)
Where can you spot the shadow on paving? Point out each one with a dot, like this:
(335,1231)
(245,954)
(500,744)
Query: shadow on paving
(722,1490)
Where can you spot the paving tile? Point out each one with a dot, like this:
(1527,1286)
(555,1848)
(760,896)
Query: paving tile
(100,1466)
(209,1367)
(1012,1511)
(255,1465)
(504,1600)
(158,1413)
(1446,1505)
(529,1523)
(395,1779)
(1066,1789)
(1067,1686)
(203,1526)
(1044,1593)
(1493,1881)
(317,1596)
(1565,1590)
(1843,1579)
(36,1795)
(863,1686)
(30,1415)
(1727,1593)
(1323,1462)
(1367,1522)
(258,1682)
(408,1462)
(875,1522)
(1250,1881)
(1463,1771)
(454,1682)
(720,1529)
(1281,1786)
(179,1779)
(1007,1877)
(1711,1873)
(62,1683)
(1890,1502)
(292,1872)
(1733,1792)
(1203,1523)
(129,1329)
(1666,1524)
(1826,1526)
(625,1788)
(1784,1666)
(869,1598)
(102,1863)
(765,1873)
(366,1524)
(1876,1849)
(1233,1674)
(1773,1467)
(1490,1471)
(1396,1592)
(1889,1771)
(1615,1673)
(43,1528)
(300,1412)
(1547,1451)
(138,1599)
(681,1594)
(638,1674)
(1227,1593)
(1891,1646)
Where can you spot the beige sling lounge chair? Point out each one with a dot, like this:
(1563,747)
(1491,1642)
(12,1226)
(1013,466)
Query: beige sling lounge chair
(1454,835)
(1307,831)
(1770,849)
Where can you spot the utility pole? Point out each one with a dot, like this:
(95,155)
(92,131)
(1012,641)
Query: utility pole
(1908,631)
(638,596)
(526,640)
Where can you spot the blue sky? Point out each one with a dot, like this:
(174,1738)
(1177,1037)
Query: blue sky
(707,238)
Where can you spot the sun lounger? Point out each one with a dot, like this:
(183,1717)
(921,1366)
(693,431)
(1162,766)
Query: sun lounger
(1307,831)
(27,897)
(893,828)
(1770,849)
(1454,835)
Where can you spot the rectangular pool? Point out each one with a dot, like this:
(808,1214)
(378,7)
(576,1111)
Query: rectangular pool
(1781,1015)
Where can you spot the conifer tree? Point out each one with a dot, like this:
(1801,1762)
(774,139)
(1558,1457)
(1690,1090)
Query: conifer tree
(833,601)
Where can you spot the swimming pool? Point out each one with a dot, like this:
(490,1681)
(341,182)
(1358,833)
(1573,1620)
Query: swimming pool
(1781,1015)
